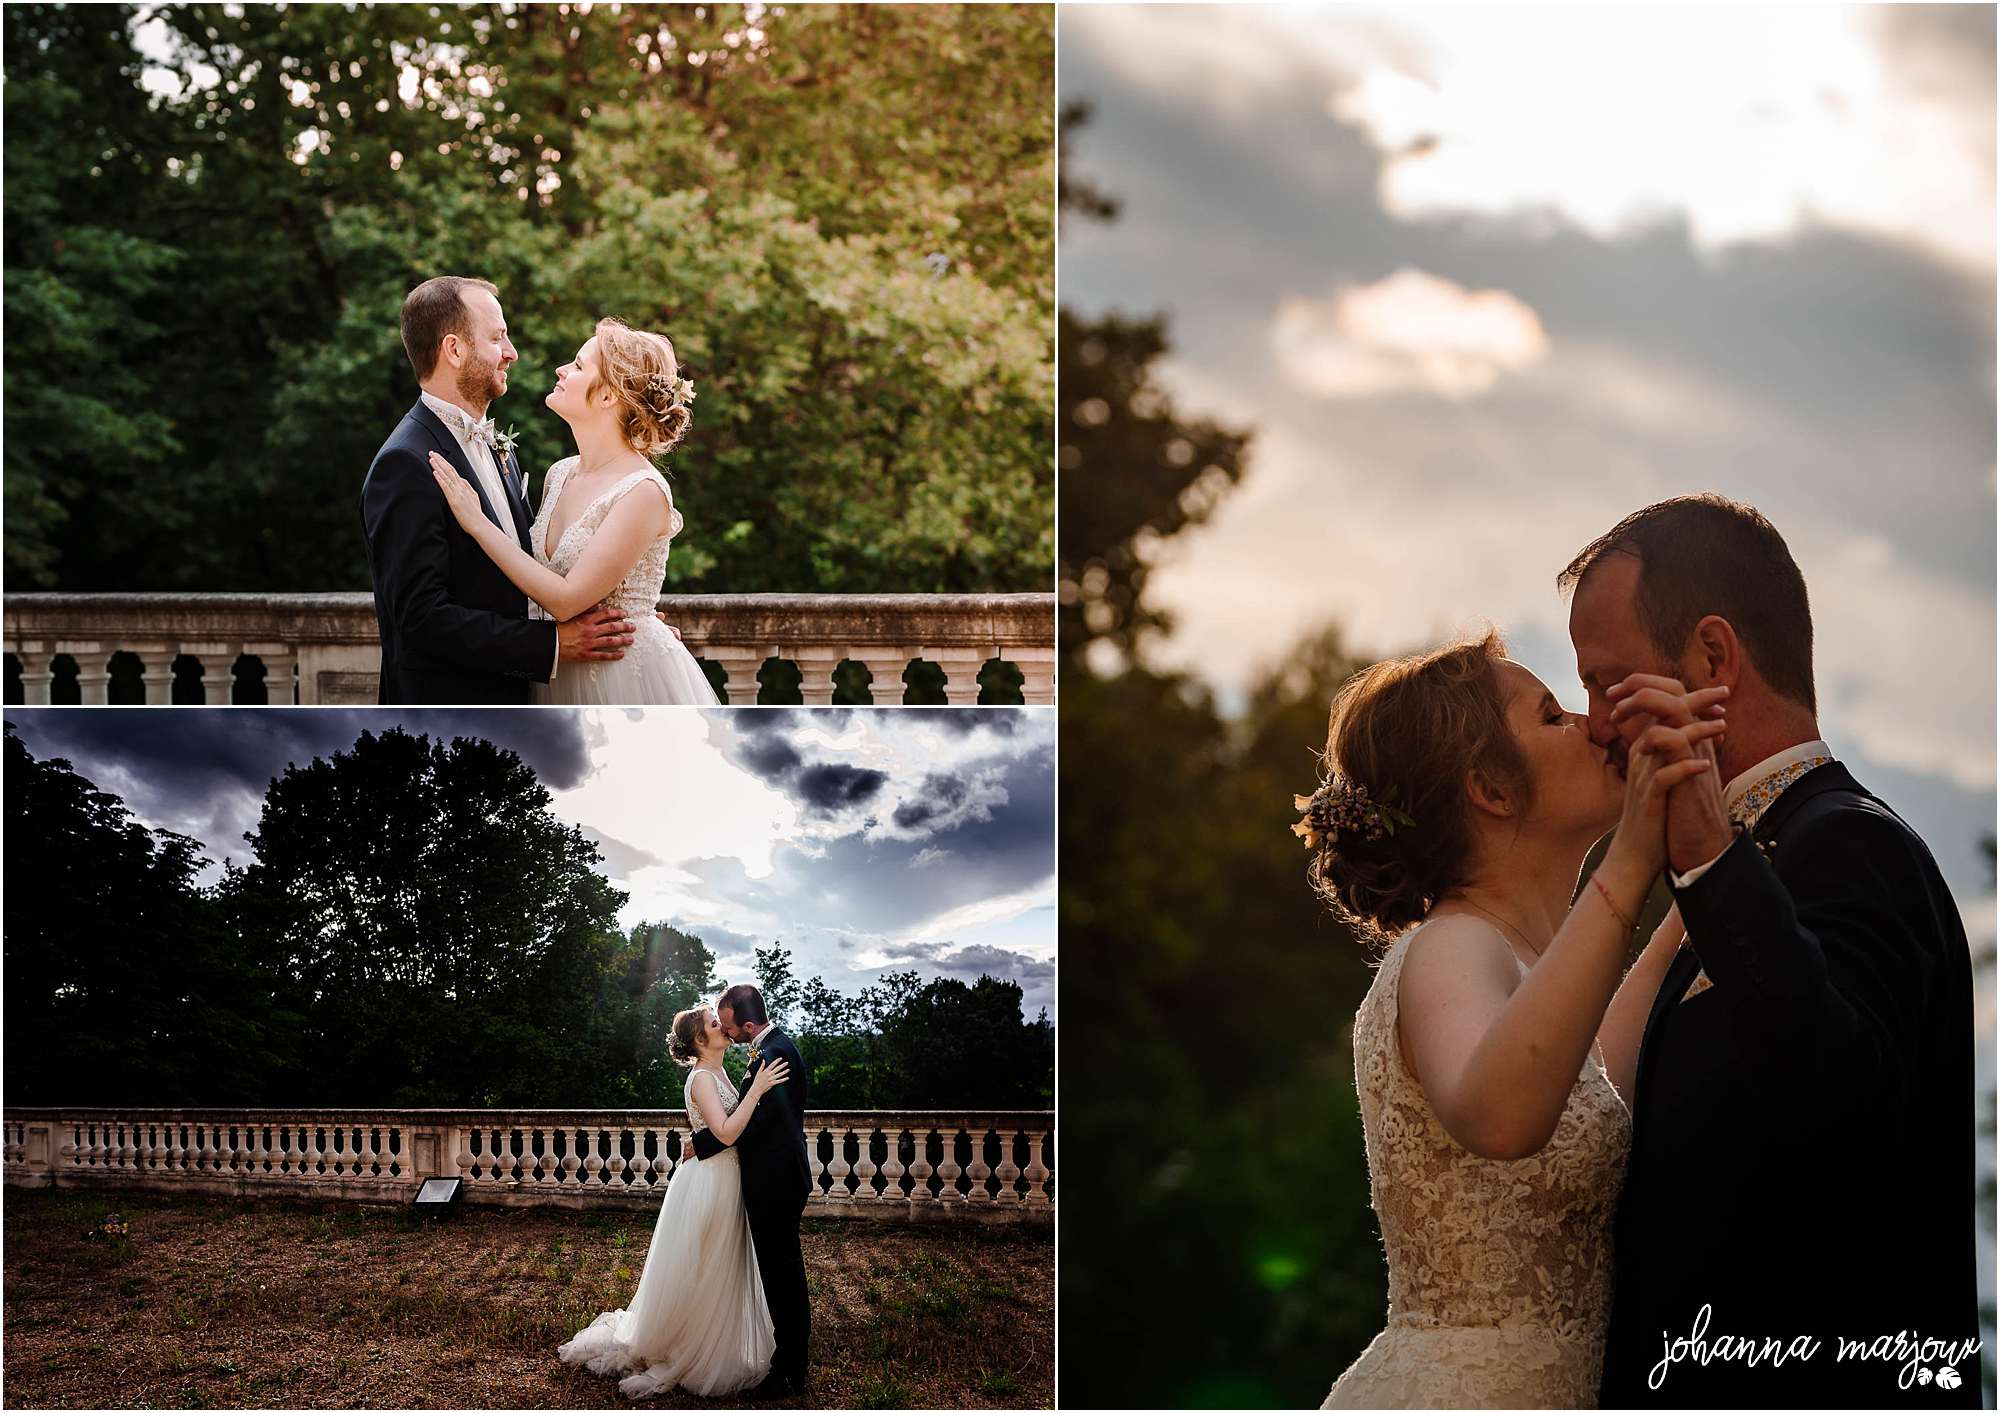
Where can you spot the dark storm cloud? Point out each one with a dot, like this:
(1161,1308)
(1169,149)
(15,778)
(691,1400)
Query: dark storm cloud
(1010,851)
(966,721)
(941,795)
(975,961)
(830,788)
(768,755)
(204,771)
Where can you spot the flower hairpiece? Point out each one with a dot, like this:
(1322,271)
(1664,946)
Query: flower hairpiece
(1343,806)
(678,391)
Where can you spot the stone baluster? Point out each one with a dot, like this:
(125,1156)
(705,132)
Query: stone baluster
(72,1145)
(816,663)
(156,673)
(218,670)
(961,671)
(948,1168)
(37,672)
(920,1165)
(291,1161)
(1037,1173)
(892,1165)
(278,660)
(260,1149)
(976,1175)
(741,665)
(572,1162)
(663,1162)
(885,672)
(463,1160)
(615,1163)
(593,1163)
(864,1168)
(93,671)
(816,1167)
(1038,674)
(839,1168)
(1009,1173)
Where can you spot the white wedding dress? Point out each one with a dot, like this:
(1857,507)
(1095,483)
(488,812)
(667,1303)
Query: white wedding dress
(698,1319)
(657,669)
(1499,1272)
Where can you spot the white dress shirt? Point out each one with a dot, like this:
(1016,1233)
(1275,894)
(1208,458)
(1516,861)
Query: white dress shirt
(460,423)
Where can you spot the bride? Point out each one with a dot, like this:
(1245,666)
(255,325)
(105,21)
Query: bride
(1495,1050)
(698,1318)
(606,518)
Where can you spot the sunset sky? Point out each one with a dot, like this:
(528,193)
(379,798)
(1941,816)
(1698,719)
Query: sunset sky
(1482,280)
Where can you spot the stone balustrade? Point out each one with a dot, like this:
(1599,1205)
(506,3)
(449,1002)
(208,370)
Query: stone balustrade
(324,648)
(993,1165)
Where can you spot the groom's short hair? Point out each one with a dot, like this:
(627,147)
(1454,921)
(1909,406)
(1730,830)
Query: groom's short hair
(745,1003)
(433,309)
(1703,554)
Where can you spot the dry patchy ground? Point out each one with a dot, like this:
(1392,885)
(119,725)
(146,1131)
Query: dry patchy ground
(211,1303)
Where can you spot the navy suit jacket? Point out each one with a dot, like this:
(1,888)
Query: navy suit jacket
(454,628)
(1802,1148)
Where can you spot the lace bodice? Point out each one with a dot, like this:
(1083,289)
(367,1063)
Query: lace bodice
(724,1090)
(638,592)
(1517,1252)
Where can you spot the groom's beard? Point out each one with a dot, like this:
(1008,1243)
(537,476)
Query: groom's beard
(480,383)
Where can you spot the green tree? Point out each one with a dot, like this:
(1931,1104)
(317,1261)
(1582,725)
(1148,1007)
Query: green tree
(121,988)
(841,214)
(444,934)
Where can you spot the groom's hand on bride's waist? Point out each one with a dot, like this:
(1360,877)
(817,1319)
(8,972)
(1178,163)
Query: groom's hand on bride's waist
(600,635)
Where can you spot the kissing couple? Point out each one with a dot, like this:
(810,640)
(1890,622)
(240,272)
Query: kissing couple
(1683,1182)
(721,1306)
(481,600)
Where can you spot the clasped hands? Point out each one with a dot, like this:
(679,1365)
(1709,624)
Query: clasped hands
(1655,714)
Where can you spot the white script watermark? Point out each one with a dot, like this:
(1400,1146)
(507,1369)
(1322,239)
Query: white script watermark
(1916,1353)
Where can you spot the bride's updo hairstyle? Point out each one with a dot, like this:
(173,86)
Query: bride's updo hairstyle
(642,373)
(684,1039)
(1389,828)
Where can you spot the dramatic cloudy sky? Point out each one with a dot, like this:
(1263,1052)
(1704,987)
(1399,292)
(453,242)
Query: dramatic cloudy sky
(862,840)
(1484,279)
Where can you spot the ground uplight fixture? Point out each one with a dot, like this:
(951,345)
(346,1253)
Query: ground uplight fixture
(438,1195)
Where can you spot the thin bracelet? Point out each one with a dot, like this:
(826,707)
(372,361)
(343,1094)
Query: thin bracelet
(1630,926)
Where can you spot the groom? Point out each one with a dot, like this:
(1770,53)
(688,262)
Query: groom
(771,1161)
(1802,1146)
(454,629)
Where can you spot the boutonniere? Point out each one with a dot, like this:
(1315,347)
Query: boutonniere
(504,442)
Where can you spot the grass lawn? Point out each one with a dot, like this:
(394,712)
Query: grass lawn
(213,1303)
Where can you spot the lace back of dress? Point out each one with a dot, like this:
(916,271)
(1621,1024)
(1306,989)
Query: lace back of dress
(725,1093)
(1480,1241)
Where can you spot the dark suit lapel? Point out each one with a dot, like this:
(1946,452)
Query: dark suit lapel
(517,501)
(1686,964)
(1831,776)
(448,444)
(1680,975)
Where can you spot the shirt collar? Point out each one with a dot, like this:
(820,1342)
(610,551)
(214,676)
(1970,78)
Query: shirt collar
(453,416)
(1764,769)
